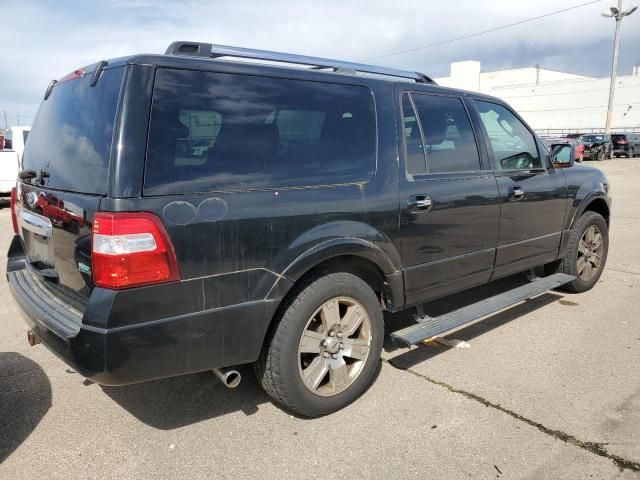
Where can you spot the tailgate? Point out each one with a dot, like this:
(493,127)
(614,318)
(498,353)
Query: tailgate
(65,174)
(55,229)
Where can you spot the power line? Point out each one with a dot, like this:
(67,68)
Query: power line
(443,42)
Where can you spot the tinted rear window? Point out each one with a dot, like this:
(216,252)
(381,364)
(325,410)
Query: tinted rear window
(71,136)
(448,138)
(215,131)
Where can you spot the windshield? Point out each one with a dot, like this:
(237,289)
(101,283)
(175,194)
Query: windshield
(70,139)
(592,138)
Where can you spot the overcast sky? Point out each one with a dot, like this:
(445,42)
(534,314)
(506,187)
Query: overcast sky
(42,40)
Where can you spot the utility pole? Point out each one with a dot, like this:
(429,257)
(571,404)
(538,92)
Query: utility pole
(618,14)
(6,125)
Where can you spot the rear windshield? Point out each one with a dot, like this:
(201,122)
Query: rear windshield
(70,139)
(215,131)
(618,137)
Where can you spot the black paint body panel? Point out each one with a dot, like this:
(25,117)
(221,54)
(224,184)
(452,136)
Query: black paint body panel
(240,252)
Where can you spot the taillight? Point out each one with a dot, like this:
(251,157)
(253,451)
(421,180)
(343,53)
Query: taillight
(622,141)
(14,218)
(131,249)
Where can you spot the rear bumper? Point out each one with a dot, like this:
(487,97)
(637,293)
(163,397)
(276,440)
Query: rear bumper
(121,355)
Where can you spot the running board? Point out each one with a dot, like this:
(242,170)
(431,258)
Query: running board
(429,327)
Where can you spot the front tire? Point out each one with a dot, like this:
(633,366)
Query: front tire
(325,348)
(600,156)
(586,254)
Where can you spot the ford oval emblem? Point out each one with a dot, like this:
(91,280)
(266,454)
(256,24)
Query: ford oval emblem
(32,199)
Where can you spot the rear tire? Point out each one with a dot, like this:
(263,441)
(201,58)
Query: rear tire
(630,153)
(314,363)
(586,253)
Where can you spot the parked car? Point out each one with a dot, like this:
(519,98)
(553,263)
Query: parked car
(14,139)
(597,146)
(626,144)
(575,143)
(324,197)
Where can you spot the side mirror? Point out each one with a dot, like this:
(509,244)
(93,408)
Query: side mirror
(563,155)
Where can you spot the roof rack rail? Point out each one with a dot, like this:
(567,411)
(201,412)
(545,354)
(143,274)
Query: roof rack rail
(209,50)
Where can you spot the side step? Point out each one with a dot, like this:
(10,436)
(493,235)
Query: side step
(428,327)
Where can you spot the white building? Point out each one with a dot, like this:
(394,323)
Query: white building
(556,101)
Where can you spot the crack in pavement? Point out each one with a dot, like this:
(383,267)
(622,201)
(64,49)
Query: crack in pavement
(619,270)
(593,447)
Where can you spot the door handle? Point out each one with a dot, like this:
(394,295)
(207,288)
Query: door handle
(517,193)
(420,202)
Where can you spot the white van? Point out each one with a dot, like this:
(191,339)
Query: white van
(11,156)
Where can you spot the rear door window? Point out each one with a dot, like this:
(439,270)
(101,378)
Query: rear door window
(449,142)
(415,160)
(217,131)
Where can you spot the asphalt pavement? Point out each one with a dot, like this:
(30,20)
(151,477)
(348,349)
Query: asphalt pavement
(547,389)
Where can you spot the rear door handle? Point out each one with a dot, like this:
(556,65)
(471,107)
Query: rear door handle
(422,203)
(517,193)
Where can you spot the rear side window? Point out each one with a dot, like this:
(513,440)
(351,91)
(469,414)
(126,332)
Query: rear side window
(71,136)
(217,131)
(448,138)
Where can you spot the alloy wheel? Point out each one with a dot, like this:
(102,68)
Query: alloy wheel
(334,346)
(590,250)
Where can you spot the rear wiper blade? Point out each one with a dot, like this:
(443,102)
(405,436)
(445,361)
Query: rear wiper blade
(39,175)
(27,174)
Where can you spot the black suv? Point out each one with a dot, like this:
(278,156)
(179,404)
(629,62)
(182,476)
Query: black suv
(235,212)
(627,144)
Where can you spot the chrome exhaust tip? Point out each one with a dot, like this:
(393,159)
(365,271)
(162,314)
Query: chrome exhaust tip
(32,338)
(230,377)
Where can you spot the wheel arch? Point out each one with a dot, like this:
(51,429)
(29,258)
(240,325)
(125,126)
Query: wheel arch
(356,256)
(594,203)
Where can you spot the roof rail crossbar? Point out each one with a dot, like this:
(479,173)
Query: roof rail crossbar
(208,50)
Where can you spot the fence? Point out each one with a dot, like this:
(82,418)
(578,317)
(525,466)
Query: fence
(565,131)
